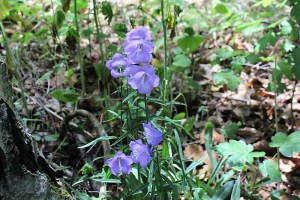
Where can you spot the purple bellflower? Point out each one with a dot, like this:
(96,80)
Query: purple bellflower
(140,33)
(143,78)
(140,153)
(120,163)
(138,51)
(118,65)
(153,136)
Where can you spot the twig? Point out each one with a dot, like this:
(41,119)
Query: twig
(51,112)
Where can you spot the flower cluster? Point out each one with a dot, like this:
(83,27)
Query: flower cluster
(135,64)
(140,153)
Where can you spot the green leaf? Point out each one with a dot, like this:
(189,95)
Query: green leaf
(287,144)
(65,95)
(59,19)
(87,169)
(230,129)
(194,164)
(189,124)
(120,29)
(236,191)
(221,8)
(181,60)
(296,57)
(190,43)
(208,142)
(295,11)
(238,152)
(224,54)
(287,45)
(106,10)
(43,78)
(228,77)
(179,116)
(100,139)
(4,7)
(264,3)
(224,191)
(285,68)
(269,168)
(286,27)
(52,137)
(269,38)
(80,5)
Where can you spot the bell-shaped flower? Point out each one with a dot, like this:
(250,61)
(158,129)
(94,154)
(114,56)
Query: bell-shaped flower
(153,136)
(120,164)
(118,65)
(143,78)
(138,51)
(139,33)
(140,153)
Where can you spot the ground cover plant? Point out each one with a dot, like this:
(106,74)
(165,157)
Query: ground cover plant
(160,99)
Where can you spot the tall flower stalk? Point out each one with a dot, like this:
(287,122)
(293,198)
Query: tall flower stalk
(134,65)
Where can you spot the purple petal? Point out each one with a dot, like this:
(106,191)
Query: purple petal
(146,87)
(135,69)
(149,68)
(136,80)
(115,73)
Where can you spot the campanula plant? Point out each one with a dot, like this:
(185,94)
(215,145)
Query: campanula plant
(133,65)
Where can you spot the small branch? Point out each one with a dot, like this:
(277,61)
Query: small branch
(50,111)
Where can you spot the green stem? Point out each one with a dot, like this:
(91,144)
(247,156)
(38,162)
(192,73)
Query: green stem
(165,50)
(81,63)
(14,65)
(103,56)
(146,109)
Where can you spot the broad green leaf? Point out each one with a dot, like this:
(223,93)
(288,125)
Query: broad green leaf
(4,7)
(230,129)
(269,168)
(189,124)
(224,54)
(190,43)
(221,8)
(295,11)
(52,137)
(87,169)
(285,68)
(181,60)
(120,29)
(224,191)
(287,144)
(236,191)
(269,38)
(286,27)
(296,57)
(238,152)
(287,45)
(43,78)
(227,77)
(65,95)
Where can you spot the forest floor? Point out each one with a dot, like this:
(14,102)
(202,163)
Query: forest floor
(253,112)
